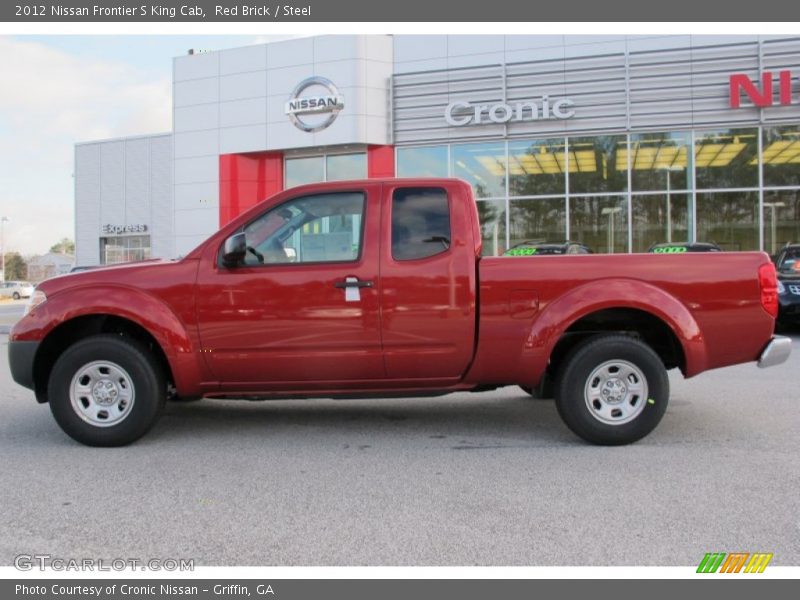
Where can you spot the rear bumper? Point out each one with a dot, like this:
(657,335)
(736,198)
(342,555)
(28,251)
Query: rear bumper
(20,360)
(776,352)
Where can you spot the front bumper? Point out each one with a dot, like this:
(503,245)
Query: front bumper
(21,354)
(789,308)
(776,352)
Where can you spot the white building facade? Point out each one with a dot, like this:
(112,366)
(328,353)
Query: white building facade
(618,142)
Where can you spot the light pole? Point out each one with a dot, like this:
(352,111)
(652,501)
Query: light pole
(611,211)
(772,206)
(3,221)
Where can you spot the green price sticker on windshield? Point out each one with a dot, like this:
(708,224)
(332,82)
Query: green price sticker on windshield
(521,252)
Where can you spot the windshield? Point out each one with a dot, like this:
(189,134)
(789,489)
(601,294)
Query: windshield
(790,263)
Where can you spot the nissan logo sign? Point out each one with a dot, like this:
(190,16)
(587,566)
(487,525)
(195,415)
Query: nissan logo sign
(318,108)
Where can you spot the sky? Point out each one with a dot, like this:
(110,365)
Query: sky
(59,90)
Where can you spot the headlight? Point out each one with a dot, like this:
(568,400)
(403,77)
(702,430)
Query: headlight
(37,297)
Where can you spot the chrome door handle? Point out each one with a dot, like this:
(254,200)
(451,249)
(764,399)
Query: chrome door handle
(352,288)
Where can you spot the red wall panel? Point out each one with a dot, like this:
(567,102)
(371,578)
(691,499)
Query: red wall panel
(247,179)
(380,161)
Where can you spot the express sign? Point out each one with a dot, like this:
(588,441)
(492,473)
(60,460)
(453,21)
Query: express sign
(120,229)
(765,95)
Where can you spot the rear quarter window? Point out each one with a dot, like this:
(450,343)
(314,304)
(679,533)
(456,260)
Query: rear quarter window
(420,223)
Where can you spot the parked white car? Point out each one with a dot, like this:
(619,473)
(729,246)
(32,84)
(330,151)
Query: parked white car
(16,289)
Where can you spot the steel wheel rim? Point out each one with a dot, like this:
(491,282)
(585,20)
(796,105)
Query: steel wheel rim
(616,392)
(102,393)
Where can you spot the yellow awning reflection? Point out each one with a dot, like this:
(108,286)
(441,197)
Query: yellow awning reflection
(543,162)
(717,155)
(646,155)
(662,157)
(648,158)
(781,152)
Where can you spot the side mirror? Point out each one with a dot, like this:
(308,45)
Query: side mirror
(234,250)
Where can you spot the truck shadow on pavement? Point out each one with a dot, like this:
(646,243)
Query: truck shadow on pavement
(465,421)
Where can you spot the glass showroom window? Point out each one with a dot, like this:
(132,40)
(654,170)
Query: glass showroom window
(781,156)
(726,159)
(310,169)
(600,222)
(659,161)
(598,164)
(537,167)
(781,219)
(537,220)
(122,249)
(346,166)
(483,166)
(427,161)
(660,218)
(492,217)
(333,167)
(729,219)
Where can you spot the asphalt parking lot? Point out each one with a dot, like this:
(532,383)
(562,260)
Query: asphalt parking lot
(485,479)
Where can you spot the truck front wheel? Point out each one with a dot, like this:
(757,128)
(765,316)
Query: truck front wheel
(612,390)
(106,390)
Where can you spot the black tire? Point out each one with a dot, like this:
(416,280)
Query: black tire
(147,383)
(16,296)
(573,397)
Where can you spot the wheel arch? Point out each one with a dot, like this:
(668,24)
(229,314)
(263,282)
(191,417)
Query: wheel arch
(623,306)
(78,328)
(635,322)
(77,312)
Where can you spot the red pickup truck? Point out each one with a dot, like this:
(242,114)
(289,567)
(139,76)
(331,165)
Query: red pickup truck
(378,287)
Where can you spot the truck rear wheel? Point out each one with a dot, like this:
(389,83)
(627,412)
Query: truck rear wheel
(106,390)
(612,390)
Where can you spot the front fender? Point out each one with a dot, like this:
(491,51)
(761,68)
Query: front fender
(133,304)
(559,315)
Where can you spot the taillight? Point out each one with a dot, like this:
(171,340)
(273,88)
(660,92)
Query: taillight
(768,281)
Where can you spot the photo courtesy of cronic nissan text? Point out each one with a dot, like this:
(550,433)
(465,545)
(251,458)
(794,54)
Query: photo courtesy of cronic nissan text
(284,305)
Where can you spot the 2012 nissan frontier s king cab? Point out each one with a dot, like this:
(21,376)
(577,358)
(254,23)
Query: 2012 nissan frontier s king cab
(378,287)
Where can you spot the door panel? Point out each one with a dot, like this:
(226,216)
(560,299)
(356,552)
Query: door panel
(308,313)
(427,284)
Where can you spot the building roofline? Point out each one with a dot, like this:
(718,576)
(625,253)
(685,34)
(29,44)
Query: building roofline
(126,137)
(267,43)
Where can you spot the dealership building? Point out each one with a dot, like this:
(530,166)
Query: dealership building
(618,142)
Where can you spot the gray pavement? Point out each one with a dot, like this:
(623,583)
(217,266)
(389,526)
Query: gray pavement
(486,479)
(10,312)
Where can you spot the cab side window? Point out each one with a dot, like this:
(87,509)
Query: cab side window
(420,223)
(315,228)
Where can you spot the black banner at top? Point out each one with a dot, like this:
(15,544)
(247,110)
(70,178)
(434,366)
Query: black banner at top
(302,11)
